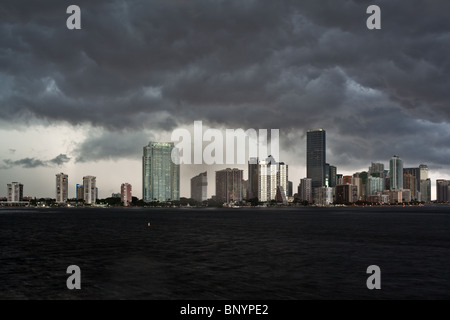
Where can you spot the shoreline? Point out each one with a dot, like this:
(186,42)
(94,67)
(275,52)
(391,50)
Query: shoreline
(226,208)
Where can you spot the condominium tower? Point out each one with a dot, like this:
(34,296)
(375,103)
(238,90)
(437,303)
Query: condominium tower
(160,172)
(62,187)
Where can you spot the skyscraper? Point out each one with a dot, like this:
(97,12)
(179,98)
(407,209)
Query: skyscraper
(425,190)
(414,172)
(62,187)
(79,192)
(290,190)
(305,190)
(89,186)
(229,185)
(423,186)
(359,186)
(396,172)
(15,192)
(160,175)
(425,183)
(333,181)
(361,183)
(442,191)
(125,194)
(316,157)
(410,183)
(199,187)
(252,179)
(271,176)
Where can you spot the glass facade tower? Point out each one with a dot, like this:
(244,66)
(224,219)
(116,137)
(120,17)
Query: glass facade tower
(316,157)
(396,171)
(160,175)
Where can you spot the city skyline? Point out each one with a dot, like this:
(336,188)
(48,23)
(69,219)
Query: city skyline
(272,177)
(84,106)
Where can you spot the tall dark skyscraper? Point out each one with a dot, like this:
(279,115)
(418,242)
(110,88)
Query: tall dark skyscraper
(416,173)
(316,157)
(252,192)
(442,191)
(333,177)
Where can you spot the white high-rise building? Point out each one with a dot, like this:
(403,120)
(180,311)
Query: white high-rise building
(89,189)
(266,174)
(282,177)
(15,192)
(271,175)
(62,187)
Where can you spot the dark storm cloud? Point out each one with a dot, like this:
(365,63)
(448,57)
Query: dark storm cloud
(110,145)
(24,163)
(60,160)
(291,65)
(29,163)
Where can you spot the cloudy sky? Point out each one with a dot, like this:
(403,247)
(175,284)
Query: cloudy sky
(85,102)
